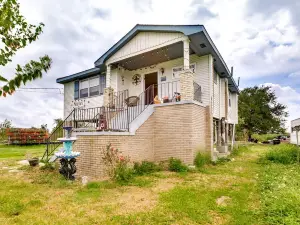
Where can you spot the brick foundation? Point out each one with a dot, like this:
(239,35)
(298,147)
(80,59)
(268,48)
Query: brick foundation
(178,130)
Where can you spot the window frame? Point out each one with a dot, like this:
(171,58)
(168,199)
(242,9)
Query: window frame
(100,85)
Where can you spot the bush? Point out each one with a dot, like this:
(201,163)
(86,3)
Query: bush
(176,165)
(285,154)
(201,159)
(122,172)
(145,168)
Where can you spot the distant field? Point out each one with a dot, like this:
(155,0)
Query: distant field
(19,152)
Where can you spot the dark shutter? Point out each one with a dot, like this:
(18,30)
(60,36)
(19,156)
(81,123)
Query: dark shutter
(76,89)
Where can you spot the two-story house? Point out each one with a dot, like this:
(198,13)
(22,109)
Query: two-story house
(161,91)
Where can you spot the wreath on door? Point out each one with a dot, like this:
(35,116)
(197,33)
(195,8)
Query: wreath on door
(136,79)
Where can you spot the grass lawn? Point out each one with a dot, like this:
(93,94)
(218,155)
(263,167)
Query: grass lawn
(242,191)
(19,152)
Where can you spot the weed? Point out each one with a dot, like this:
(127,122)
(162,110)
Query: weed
(176,165)
(11,206)
(201,159)
(285,154)
(123,173)
(48,166)
(239,149)
(145,168)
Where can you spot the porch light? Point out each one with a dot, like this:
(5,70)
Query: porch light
(162,70)
(202,45)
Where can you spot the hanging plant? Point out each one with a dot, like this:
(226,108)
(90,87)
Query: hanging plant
(136,79)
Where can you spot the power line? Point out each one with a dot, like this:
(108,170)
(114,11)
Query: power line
(33,91)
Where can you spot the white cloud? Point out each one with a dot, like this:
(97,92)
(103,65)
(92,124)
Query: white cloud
(289,97)
(259,38)
(295,74)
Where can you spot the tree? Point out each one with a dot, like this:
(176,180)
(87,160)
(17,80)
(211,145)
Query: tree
(259,111)
(3,126)
(15,34)
(57,123)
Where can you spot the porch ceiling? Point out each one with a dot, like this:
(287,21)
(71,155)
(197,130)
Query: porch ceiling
(156,56)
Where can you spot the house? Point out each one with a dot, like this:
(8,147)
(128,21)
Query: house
(295,128)
(161,91)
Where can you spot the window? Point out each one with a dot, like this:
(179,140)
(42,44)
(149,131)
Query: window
(94,86)
(76,89)
(84,88)
(229,102)
(102,84)
(90,87)
(215,77)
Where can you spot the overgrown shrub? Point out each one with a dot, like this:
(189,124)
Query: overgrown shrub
(285,154)
(122,172)
(176,165)
(117,166)
(201,159)
(145,167)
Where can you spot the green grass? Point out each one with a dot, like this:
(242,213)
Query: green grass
(258,192)
(264,137)
(19,152)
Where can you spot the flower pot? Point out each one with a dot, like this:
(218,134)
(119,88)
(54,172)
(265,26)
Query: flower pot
(33,161)
(166,100)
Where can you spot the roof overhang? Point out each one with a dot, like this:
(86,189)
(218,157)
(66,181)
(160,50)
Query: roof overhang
(80,75)
(197,35)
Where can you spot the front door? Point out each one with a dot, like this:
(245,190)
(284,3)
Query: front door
(150,93)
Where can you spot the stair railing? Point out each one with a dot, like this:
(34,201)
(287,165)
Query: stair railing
(51,142)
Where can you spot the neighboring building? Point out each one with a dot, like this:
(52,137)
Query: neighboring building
(178,63)
(295,128)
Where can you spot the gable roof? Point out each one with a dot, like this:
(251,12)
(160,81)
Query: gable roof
(194,32)
(185,29)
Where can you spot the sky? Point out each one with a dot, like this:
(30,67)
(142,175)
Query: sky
(260,39)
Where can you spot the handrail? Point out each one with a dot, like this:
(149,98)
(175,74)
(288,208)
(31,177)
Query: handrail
(145,99)
(51,142)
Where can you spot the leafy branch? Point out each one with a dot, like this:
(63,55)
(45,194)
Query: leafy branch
(15,34)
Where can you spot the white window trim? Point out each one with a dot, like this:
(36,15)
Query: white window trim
(174,77)
(88,79)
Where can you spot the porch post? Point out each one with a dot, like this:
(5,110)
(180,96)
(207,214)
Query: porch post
(108,91)
(186,76)
(186,54)
(108,78)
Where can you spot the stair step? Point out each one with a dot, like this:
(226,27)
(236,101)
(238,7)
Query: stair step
(52,159)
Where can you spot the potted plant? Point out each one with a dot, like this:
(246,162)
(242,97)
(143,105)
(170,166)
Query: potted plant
(166,99)
(33,161)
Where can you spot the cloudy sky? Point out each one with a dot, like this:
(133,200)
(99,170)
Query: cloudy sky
(260,39)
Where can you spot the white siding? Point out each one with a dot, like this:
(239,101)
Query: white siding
(216,97)
(201,77)
(222,97)
(90,102)
(293,138)
(233,109)
(145,41)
